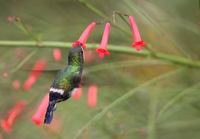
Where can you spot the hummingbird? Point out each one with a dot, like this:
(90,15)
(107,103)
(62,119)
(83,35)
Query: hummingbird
(66,81)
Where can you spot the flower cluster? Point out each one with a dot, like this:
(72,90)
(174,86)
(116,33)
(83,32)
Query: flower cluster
(8,122)
(102,50)
(39,66)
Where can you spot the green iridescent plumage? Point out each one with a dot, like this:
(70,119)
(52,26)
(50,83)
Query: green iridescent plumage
(66,81)
(70,76)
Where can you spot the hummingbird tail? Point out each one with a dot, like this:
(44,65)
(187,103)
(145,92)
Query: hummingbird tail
(49,113)
(48,118)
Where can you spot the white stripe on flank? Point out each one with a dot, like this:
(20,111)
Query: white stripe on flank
(60,91)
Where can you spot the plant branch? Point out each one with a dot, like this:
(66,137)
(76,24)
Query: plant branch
(154,97)
(122,64)
(114,48)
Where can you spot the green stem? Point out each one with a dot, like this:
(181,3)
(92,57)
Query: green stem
(122,64)
(101,14)
(123,98)
(23,27)
(152,113)
(183,124)
(115,48)
(23,61)
(122,16)
(177,98)
(92,8)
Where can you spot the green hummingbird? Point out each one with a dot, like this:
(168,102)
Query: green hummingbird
(66,81)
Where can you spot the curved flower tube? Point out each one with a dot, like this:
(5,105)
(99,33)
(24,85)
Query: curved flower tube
(102,50)
(138,42)
(84,36)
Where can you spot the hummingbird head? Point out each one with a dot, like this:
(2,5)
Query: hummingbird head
(76,56)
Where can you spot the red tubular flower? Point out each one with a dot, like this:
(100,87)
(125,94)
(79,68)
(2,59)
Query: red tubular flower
(57,54)
(92,96)
(84,36)
(38,117)
(77,94)
(102,49)
(35,74)
(7,123)
(16,85)
(138,42)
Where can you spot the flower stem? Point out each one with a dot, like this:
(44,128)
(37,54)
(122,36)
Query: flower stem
(23,61)
(175,99)
(151,127)
(92,8)
(114,48)
(101,14)
(123,98)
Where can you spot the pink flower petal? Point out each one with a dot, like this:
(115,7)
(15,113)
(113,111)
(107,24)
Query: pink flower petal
(57,54)
(101,55)
(92,96)
(5,126)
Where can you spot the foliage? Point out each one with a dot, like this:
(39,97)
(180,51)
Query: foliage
(141,95)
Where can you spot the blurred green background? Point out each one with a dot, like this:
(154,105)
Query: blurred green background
(166,99)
